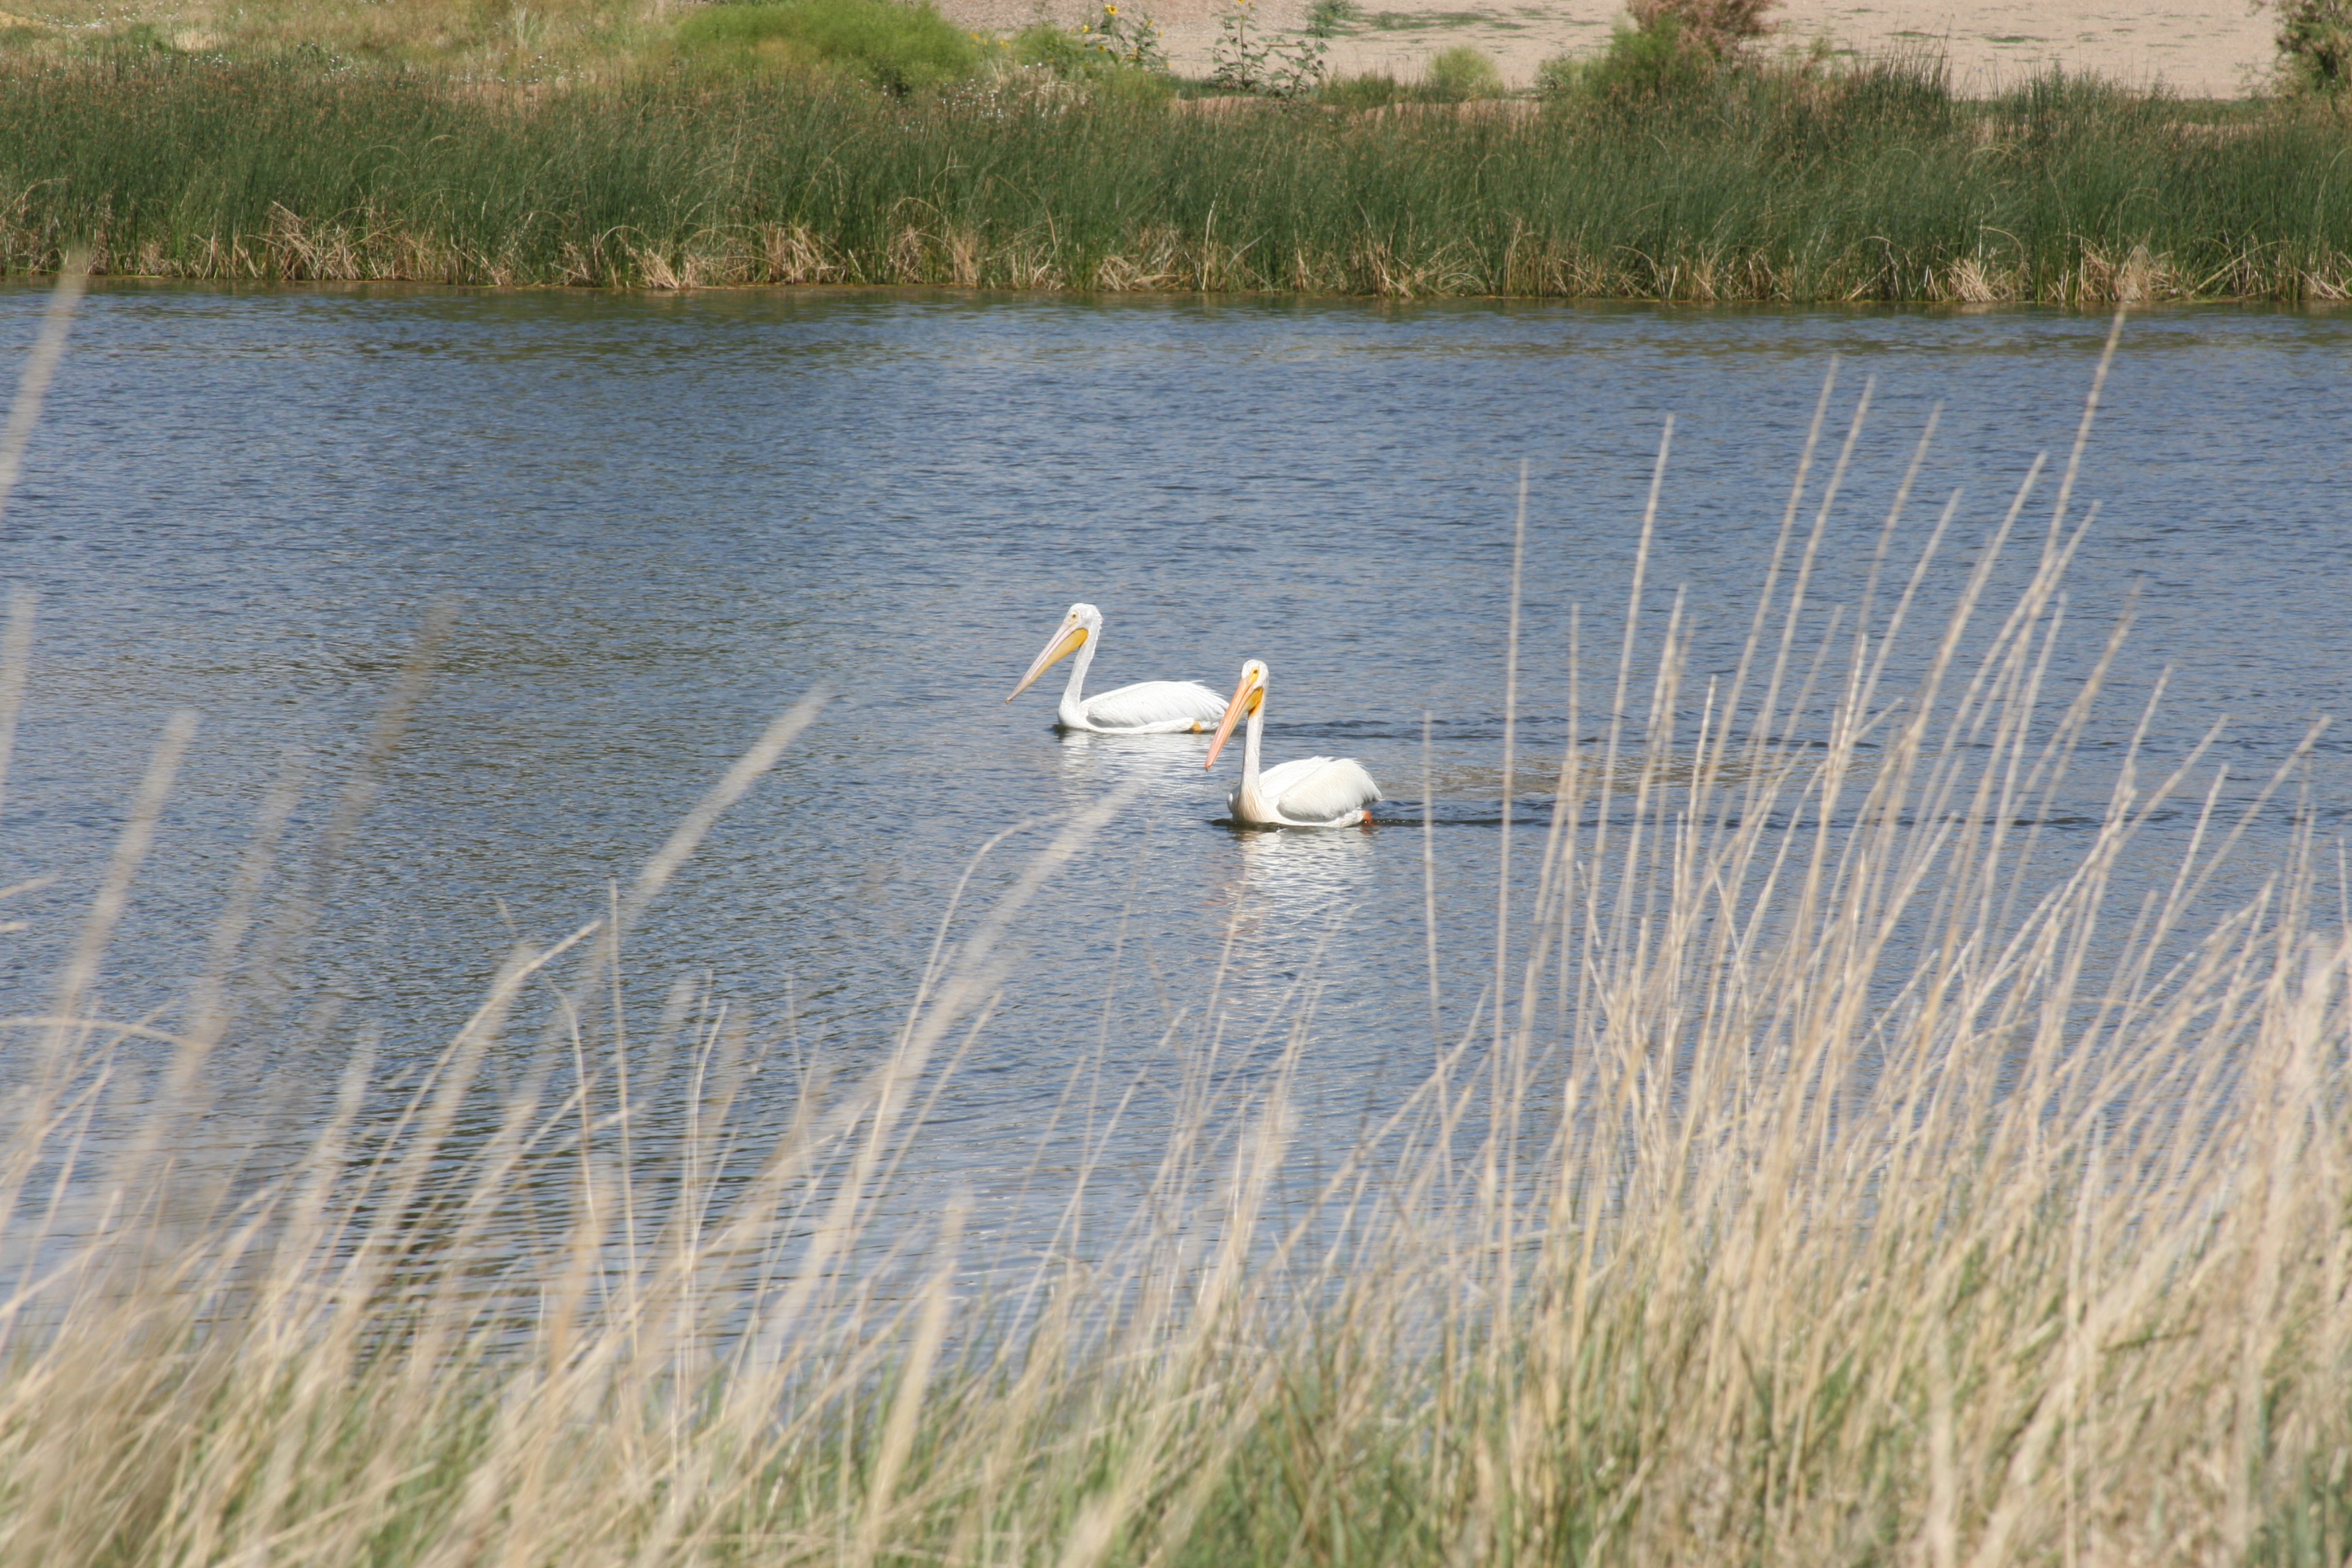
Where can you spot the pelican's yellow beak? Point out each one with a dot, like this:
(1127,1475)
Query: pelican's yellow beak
(1246,697)
(1067,641)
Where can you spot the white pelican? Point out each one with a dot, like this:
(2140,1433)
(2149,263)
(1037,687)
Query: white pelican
(1146,707)
(1313,791)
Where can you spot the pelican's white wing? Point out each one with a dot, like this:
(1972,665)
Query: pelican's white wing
(1157,705)
(1318,789)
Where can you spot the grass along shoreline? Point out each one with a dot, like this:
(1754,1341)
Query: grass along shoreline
(1873,184)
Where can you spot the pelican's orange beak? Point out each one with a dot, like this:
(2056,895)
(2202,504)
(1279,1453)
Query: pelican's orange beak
(1067,641)
(1246,697)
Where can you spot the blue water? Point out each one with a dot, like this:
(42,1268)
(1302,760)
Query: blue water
(659,521)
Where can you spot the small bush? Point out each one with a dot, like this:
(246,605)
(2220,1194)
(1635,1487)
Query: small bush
(2314,44)
(1674,50)
(1461,73)
(1373,89)
(1720,27)
(900,48)
(1116,62)
(1801,103)
(1061,52)
(1639,63)
(1250,58)
(1112,42)
(1078,60)
(1329,18)
(1560,75)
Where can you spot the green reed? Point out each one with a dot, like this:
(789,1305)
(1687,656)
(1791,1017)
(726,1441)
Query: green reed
(1876,185)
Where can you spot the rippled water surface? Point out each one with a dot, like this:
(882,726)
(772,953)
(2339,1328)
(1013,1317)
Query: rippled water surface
(661,520)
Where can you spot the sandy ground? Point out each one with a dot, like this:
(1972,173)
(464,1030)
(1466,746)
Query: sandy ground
(2201,48)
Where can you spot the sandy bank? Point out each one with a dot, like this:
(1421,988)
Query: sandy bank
(2201,48)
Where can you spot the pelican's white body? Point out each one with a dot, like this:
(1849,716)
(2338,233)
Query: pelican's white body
(1146,707)
(1313,791)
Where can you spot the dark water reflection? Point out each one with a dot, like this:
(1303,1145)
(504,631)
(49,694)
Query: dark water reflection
(662,520)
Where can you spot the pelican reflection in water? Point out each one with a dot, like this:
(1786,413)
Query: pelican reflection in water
(1089,761)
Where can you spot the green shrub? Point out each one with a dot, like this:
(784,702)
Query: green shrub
(2314,44)
(1801,101)
(1329,18)
(1373,89)
(1640,63)
(1720,27)
(1461,73)
(1249,57)
(1674,50)
(1097,62)
(1130,38)
(900,48)
(1043,44)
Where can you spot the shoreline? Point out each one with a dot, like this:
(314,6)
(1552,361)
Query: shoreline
(2199,49)
(2099,309)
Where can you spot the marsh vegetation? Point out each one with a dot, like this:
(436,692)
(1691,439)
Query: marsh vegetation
(1871,184)
(870,141)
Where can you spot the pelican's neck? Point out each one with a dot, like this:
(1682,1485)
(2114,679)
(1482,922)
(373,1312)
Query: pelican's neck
(1249,760)
(1073,711)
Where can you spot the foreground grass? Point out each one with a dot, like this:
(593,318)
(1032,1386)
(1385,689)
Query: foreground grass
(1875,186)
(1841,1168)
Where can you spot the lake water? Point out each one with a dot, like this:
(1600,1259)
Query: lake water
(660,520)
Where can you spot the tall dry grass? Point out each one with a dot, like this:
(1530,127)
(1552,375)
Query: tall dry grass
(1840,1168)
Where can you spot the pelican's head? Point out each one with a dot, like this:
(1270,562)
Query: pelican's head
(1083,621)
(1248,698)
